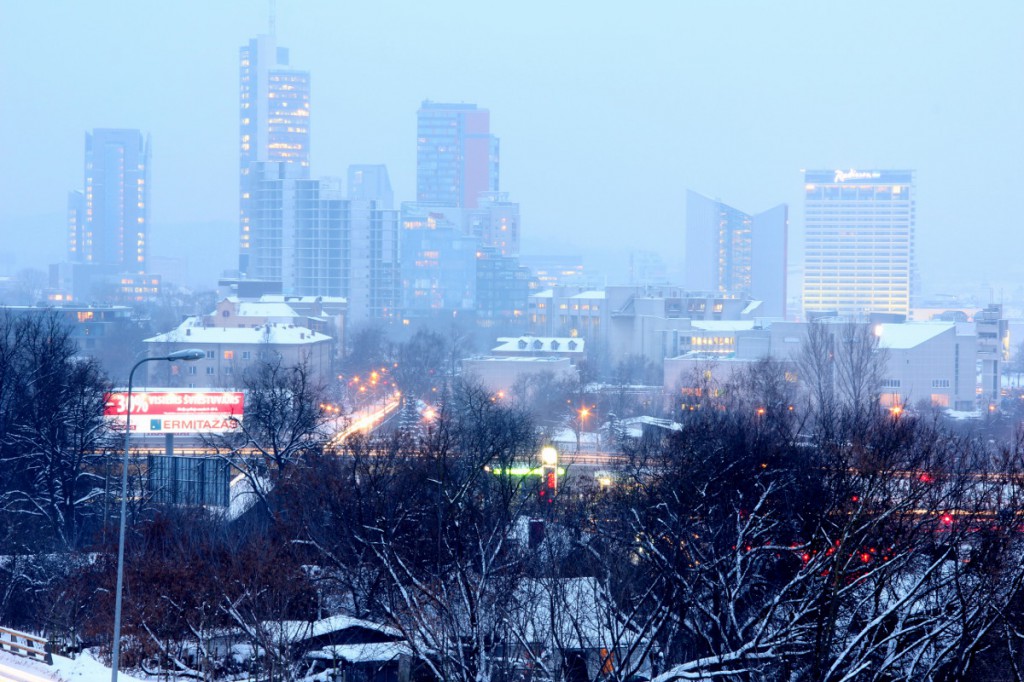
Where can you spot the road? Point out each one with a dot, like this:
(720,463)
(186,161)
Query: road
(366,419)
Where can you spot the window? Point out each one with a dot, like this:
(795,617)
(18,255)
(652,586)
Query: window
(209,371)
(940,383)
(246,355)
(229,355)
(890,383)
(227,371)
(191,369)
(209,355)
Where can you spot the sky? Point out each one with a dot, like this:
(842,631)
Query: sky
(607,111)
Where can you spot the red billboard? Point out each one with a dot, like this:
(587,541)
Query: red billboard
(176,411)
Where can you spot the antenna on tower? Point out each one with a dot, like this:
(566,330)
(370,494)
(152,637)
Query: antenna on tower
(273,18)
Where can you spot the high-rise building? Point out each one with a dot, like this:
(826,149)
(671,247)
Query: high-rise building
(457,157)
(859,251)
(273,125)
(305,236)
(495,222)
(502,290)
(438,262)
(370,182)
(729,252)
(108,224)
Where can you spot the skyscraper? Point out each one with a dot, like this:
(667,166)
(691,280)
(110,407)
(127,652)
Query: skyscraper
(370,182)
(733,253)
(315,243)
(456,155)
(108,224)
(273,123)
(859,252)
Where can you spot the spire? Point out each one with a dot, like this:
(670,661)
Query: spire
(272,20)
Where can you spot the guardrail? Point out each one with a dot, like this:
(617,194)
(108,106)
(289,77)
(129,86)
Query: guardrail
(23,644)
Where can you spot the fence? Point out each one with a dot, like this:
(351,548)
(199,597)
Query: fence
(22,644)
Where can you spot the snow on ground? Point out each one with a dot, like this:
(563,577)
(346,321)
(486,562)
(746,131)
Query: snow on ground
(85,668)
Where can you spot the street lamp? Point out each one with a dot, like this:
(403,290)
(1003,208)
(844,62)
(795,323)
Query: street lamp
(189,355)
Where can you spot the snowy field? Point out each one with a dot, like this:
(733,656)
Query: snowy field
(82,669)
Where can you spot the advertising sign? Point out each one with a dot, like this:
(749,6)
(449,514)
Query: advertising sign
(176,411)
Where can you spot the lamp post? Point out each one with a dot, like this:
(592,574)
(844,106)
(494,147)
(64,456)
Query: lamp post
(189,355)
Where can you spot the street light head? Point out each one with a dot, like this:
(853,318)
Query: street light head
(188,355)
(549,456)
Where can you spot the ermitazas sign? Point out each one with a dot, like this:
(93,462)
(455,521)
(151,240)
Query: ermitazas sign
(176,411)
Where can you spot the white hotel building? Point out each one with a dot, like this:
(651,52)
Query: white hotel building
(859,241)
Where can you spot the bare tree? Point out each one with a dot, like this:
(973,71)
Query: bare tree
(284,423)
(841,366)
(54,431)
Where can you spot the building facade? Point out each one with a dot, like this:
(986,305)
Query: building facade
(370,182)
(231,352)
(108,223)
(457,157)
(859,248)
(305,236)
(729,252)
(273,124)
(438,264)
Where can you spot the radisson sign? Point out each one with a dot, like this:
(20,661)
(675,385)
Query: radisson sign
(843,176)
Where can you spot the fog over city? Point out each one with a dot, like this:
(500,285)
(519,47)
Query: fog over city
(452,341)
(607,113)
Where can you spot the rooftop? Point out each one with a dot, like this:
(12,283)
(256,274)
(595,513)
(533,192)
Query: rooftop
(722,325)
(539,344)
(910,334)
(191,330)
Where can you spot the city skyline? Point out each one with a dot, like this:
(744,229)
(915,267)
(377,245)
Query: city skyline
(563,165)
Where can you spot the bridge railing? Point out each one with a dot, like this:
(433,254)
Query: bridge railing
(24,644)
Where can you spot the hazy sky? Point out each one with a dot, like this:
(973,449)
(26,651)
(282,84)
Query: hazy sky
(607,111)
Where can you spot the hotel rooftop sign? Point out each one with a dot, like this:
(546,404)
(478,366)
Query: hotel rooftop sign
(854,176)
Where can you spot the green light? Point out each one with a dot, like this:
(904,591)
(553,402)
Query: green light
(526,471)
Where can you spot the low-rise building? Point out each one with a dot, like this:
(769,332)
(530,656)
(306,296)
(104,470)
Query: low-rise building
(500,374)
(231,351)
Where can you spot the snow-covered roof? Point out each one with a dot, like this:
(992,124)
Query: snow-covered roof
(751,307)
(301,630)
(539,344)
(191,330)
(261,309)
(547,293)
(592,294)
(910,334)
